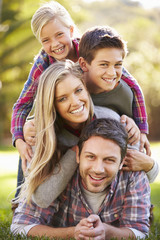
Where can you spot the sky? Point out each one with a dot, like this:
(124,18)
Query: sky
(145,3)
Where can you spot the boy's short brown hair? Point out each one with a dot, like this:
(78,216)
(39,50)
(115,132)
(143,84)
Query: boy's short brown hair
(97,38)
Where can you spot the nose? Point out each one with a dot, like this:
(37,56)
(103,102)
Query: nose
(98,167)
(74,100)
(111,71)
(54,42)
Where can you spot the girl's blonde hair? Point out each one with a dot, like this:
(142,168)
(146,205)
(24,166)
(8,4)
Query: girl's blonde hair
(49,11)
(47,126)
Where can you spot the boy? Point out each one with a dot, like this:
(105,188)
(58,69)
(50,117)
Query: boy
(101,52)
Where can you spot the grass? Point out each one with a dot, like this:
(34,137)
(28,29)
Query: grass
(8,183)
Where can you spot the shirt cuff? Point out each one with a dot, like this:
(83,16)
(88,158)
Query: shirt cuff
(138,234)
(22,229)
(152,174)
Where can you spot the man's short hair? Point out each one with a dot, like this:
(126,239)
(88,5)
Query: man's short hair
(97,38)
(108,129)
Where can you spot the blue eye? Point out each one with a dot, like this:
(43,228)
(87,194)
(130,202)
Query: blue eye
(79,90)
(62,99)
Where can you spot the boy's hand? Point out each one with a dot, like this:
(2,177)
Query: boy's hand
(25,152)
(144,143)
(90,228)
(137,161)
(29,132)
(132,129)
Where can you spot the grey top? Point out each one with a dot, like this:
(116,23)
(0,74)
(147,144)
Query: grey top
(120,99)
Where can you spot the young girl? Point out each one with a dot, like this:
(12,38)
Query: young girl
(56,31)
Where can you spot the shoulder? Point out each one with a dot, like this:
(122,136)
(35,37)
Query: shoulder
(104,112)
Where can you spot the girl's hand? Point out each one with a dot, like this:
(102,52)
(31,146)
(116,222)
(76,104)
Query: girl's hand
(25,152)
(29,132)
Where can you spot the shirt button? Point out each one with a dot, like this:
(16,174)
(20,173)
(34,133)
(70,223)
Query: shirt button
(115,215)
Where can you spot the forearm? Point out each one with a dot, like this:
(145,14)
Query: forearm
(56,184)
(139,109)
(42,230)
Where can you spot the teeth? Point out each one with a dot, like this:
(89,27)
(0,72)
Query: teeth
(97,178)
(77,110)
(109,80)
(60,49)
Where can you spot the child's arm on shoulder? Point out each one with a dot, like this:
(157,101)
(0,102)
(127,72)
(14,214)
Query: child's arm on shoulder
(25,101)
(139,109)
(58,181)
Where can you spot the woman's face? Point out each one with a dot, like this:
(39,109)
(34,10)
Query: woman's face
(72,101)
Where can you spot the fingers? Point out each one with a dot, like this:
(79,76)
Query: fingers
(134,136)
(148,149)
(144,143)
(30,140)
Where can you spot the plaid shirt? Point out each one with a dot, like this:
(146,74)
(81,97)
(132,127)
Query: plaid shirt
(25,101)
(126,204)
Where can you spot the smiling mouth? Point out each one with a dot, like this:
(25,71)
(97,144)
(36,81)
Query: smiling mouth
(59,50)
(97,178)
(78,110)
(109,80)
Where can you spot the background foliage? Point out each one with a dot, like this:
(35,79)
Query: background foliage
(139,27)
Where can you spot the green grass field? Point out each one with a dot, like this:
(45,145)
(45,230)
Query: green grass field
(8,167)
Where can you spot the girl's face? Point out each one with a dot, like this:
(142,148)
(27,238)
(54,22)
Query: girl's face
(72,101)
(56,40)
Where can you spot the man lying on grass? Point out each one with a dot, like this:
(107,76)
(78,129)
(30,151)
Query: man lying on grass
(100,201)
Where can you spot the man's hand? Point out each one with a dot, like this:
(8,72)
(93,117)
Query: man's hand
(144,143)
(25,152)
(137,161)
(29,132)
(132,129)
(90,228)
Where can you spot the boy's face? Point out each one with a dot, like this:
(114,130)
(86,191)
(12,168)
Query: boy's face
(98,168)
(105,70)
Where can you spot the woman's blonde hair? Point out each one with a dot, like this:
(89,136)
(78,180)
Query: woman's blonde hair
(49,11)
(46,154)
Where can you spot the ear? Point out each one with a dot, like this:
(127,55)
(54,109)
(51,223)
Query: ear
(71,31)
(77,154)
(83,64)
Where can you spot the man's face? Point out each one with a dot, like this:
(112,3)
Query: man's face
(99,163)
(105,70)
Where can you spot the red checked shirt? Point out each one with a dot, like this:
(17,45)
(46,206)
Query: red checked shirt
(127,204)
(25,101)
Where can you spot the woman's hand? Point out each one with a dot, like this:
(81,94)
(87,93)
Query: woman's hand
(29,132)
(137,161)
